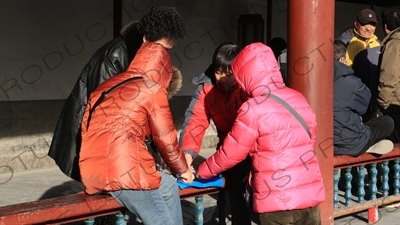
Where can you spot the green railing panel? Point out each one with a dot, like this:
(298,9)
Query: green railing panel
(89,221)
(348,177)
(396,177)
(360,189)
(385,179)
(120,219)
(335,189)
(372,181)
(199,209)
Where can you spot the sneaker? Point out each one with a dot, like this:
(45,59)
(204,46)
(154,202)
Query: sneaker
(381,147)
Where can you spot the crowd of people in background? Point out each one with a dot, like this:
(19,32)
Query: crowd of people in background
(266,130)
(367,117)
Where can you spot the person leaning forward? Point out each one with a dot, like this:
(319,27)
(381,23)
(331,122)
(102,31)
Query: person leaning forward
(114,158)
(275,138)
(217,98)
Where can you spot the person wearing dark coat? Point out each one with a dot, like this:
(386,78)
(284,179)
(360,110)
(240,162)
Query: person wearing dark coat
(112,58)
(351,99)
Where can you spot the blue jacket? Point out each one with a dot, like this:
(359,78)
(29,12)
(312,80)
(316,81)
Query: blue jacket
(350,101)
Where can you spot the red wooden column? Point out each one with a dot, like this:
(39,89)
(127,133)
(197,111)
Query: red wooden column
(310,67)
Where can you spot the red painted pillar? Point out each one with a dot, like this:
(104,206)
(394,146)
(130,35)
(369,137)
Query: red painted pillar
(310,67)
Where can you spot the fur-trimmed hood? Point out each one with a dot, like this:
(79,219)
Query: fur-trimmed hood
(176,82)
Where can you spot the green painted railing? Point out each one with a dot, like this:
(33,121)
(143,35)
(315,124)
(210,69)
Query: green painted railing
(382,186)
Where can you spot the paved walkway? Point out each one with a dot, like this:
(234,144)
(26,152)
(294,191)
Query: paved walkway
(46,183)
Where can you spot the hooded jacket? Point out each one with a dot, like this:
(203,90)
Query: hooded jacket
(285,169)
(111,59)
(209,102)
(350,101)
(113,154)
(389,80)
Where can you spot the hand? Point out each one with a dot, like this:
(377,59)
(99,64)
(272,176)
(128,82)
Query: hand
(189,161)
(187,177)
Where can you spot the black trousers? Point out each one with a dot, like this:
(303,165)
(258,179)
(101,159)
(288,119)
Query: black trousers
(381,128)
(394,112)
(309,216)
(240,214)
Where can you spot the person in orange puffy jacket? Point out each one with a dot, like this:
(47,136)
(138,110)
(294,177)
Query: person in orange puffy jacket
(121,113)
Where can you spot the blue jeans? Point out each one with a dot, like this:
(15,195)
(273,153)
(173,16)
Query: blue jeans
(154,207)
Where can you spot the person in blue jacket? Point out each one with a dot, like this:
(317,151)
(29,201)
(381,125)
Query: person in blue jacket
(351,99)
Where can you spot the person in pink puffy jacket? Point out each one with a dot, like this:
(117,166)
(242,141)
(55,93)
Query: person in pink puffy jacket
(285,176)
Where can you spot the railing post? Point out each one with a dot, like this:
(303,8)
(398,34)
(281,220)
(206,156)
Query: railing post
(199,210)
(373,180)
(89,221)
(335,189)
(361,188)
(120,219)
(396,177)
(348,195)
(310,67)
(385,179)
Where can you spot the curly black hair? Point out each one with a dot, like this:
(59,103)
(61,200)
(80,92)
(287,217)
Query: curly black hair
(162,22)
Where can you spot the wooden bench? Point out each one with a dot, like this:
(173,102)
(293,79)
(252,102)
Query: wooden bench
(342,162)
(80,206)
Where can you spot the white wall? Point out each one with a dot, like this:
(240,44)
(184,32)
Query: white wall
(45,44)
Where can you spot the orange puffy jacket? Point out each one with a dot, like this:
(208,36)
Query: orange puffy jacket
(113,154)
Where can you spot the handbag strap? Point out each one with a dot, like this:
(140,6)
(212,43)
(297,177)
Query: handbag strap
(293,111)
(104,95)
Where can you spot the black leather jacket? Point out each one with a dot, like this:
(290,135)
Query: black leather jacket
(112,58)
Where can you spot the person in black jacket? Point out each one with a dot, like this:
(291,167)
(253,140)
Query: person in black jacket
(351,99)
(110,59)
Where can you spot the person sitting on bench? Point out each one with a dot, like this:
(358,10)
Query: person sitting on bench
(350,101)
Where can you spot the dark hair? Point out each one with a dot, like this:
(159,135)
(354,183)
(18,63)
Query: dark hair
(162,22)
(339,49)
(277,44)
(224,55)
(391,17)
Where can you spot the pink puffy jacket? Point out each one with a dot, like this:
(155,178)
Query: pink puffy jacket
(285,172)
